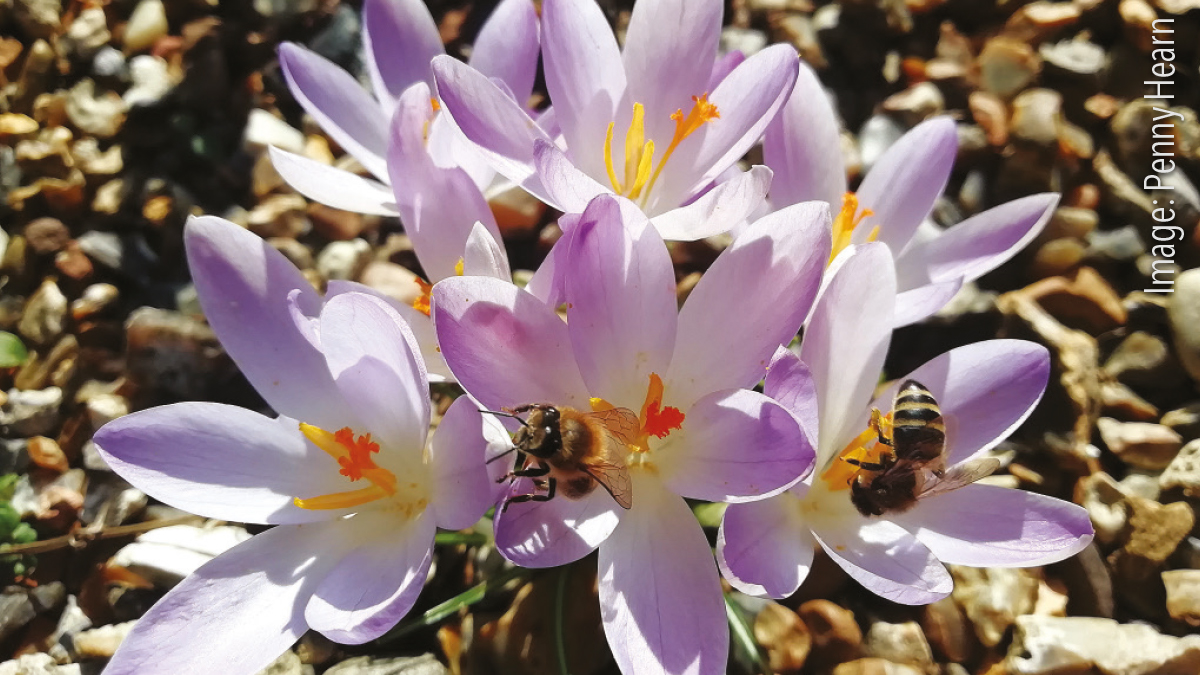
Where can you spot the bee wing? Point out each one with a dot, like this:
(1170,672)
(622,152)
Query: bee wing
(614,478)
(622,423)
(960,475)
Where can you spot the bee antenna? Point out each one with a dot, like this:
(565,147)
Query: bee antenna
(513,448)
(499,413)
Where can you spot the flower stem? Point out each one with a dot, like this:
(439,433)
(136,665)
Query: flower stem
(452,606)
(743,636)
(560,601)
(454,538)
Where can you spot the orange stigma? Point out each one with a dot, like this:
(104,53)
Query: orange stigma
(354,457)
(654,420)
(864,448)
(845,223)
(640,171)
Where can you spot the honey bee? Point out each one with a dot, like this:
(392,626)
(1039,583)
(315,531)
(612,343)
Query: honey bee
(569,452)
(915,467)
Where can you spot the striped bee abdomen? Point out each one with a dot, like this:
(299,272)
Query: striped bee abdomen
(917,429)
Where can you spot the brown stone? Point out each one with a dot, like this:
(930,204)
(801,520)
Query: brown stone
(1140,444)
(1040,20)
(45,453)
(335,224)
(46,235)
(991,115)
(784,636)
(874,666)
(1085,300)
(836,637)
(73,262)
(1183,595)
(947,630)
(1157,529)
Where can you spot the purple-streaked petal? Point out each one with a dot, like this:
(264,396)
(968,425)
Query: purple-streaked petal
(249,601)
(846,340)
(504,346)
(803,146)
(920,303)
(985,390)
(498,125)
(764,547)
(660,591)
(621,307)
(377,581)
(439,206)
(334,187)
(904,183)
(374,360)
(243,284)
(753,298)
(790,382)
(990,526)
(735,445)
(584,76)
(219,461)
(555,532)
(719,210)
(461,489)
(723,66)
(507,47)
(400,37)
(887,560)
(981,243)
(669,50)
(484,255)
(567,188)
(343,108)
(420,325)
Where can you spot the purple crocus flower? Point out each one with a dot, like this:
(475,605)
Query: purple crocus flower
(896,196)
(701,433)
(985,390)
(656,124)
(345,473)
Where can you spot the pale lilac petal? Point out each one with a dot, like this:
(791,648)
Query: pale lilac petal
(507,47)
(399,37)
(219,461)
(484,255)
(621,306)
(981,243)
(734,445)
(765,547)
(790,382)
(888,561)
(334,187)
(439,206)
(985,390)
(753,298)
(420,325)
(243,284)
(343,108)
(373,357)
(504,346)
(584,76)
(546,284)
(498,125)
(920,303)
(748,99)
(723,66)
(719,210)
(904,183)
(803,146)
(555,532)
(461,489)
(669,49)
(660,591)
(846,340)
(236,614)
(990,526)
(567,188)
(377,581)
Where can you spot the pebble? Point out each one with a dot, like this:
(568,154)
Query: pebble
(1120,401)
(98,115)
(1183,311)
(395,281)
(1184,470)
(46,236)
(1183,595)
(104,408)
(166,555)
(38,18)
(335,224)
(1122,244)
(344,260)
(30,412)
(1077,58)
(287,664)
(899,643)
(1155,531)
(102,642)
(38,664)
(151,80)
(916,104)
(264,129)
(1044,645)
(146,25)
(426,664)
(45,453)
(874,666)
(948,631)
(296,253)
(836,636)
(95,299)
(1104,500)
(1040,19)
(1037,116)
(993,598)
(16,610)
(109,62)
(746,40)
(280,215)
(1085,299)
(877,135)
(1007,66)
(171,354)
(86,34)
(991,114)
(1185,421)
(1140,444)
(45,315)
(783,635)
(72,621)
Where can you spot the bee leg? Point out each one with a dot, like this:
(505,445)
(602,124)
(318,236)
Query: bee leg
(551,488)
(869,466)
(533,472)
(877,424)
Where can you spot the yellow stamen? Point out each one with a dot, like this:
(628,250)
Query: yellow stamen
(640,171)
(608,163)
(702,111)
(845,223)
(635,145)
(864,448)
(458,267)
(354,457)
(423,302)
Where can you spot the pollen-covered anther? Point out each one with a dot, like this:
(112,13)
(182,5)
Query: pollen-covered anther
(846,221)
(640,172)
(353,455)
(865,447)
(424,301)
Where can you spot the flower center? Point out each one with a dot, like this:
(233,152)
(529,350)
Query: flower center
(864,448)
(640,170)
(353,455)
(846,221)
(654,420)
(423,302)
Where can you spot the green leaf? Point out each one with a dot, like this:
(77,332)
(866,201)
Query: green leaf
(12,351)
(9,520)
(453,605)
(743,636)
(23,533)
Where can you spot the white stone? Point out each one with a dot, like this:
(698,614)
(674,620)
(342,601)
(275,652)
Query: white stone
(1183,309)
(1044,645)
(166,555)
(37,664)
(263,129)
(146,25)
(151,80)
(344,260)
